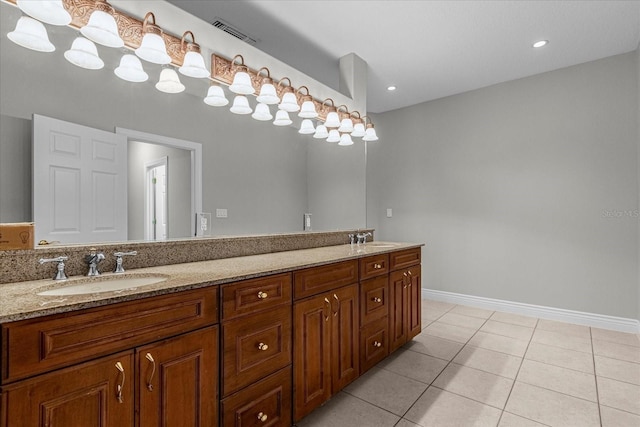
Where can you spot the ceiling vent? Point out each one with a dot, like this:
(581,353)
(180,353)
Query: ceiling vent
(223,25)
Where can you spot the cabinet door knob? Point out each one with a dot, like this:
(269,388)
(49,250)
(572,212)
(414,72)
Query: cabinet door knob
(376,299)
(262,417)
(377,344)
(120,386)
(262,346)
(262,295)
(377,266)
(149,357)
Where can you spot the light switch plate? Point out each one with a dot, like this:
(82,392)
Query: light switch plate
(389,212)
(221,213)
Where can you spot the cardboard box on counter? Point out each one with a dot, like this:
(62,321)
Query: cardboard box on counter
(17,235)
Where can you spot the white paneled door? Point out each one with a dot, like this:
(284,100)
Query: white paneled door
(79,183)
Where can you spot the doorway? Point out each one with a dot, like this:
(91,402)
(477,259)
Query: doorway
(156,210)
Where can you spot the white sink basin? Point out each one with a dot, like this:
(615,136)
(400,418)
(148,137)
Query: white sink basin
(104,284)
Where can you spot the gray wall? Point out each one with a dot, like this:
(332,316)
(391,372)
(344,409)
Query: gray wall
(178,188)
(15,167)
(638,129)
(524,191)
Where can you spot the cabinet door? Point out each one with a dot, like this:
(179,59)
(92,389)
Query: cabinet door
(93,394)
(345,344)
(374,299)
(374,343)
(398,328)
(414,316)
(312,354)
(178,380)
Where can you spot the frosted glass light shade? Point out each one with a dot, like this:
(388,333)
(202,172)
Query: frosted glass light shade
(130,69)
(242,84)
(48,11)
(84,54)
(102,29)
(345,140)
(289,103)
(334,136)
(215,97)
(268,94)
(346,125)
(333,121)
(193,65)
(169,81)
(240,105)
(370,135)
(306,127)
(308,110)
(358,130)
(321,132)
(282,118)
(31,34)
(153,49)
(262,113)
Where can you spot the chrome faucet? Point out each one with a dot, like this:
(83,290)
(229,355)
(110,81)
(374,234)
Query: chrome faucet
(60,275)
(119,255)
(93,259)
(362,237)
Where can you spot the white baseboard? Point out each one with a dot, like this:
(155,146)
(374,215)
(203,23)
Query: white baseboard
(570,316)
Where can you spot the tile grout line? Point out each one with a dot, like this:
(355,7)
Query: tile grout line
(595,375)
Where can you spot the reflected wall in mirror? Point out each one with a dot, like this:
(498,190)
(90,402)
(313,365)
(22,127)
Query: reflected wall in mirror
(265,176)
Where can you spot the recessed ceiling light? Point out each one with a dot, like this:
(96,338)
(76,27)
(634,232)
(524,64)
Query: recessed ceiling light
(541,43)
(390,88)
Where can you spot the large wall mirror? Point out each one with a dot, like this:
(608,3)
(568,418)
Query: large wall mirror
(265,177)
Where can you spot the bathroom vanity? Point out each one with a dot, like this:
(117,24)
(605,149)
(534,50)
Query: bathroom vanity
(258,340)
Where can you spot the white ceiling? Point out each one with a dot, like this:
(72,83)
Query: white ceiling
(430,49)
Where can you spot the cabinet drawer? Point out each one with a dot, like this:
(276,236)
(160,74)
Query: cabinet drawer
(38,345)
(255,346)
(312,281)
(373,266)
(266,403)
(374,343)
(250,296)
(374,303)
(406,258)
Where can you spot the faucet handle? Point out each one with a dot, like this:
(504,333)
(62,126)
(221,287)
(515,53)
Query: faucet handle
(119,255)
(60,274)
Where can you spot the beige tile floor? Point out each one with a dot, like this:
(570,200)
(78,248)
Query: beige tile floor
(474,367)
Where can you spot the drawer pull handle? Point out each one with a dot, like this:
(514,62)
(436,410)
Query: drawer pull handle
(377,266)
(153,371)
(120,386)
(376,299)
(326,317)
(338,301)
(262,346)
(377,344)
(262,295)
(262,417)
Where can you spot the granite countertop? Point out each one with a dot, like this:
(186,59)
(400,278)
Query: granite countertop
(20,300)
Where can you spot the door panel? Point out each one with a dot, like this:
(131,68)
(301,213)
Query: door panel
(345,337)
(397,310)
(415,302)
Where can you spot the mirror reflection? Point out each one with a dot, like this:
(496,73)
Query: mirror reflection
(265,177)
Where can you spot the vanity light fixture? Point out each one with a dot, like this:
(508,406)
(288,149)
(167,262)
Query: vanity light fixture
(306,127)
(289,101)
(84,54)
(321,132)
(262,112)
(346,124)
(308,109)
(282,118)
(48,11)
(370,133)
(334,136)
(130,69)
(268,94)
(540,43)
(332,120)
(358,126)
(241,80)
(240,105)
(345,140)
(31,34)
(152,48)
(169,81)
(102,27)
(193,62)
(215,96)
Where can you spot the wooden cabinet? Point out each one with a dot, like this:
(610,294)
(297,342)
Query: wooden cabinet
(177,381)
(405,300)
(99,393)
(326,347)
